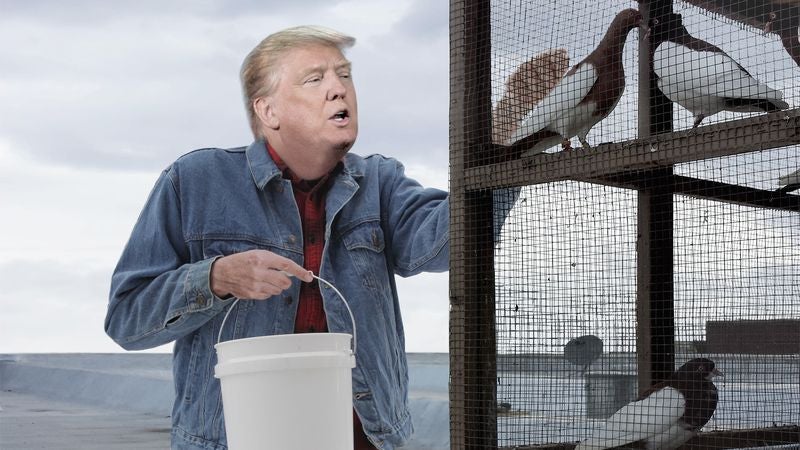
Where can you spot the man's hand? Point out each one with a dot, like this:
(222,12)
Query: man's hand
(254,274)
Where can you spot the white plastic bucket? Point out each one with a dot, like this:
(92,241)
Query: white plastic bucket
(287,392)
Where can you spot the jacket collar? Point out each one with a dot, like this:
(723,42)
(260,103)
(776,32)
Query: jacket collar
(263,169)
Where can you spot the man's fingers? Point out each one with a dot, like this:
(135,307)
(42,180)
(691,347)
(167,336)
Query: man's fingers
(262,290)
(291,268)
(255,274)
(305,275)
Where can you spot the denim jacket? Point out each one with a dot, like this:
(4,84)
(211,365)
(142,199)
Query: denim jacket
(214,202)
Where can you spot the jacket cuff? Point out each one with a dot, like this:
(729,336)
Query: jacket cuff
(197,289)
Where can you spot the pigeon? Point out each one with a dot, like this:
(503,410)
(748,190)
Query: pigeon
(583,351)
(525,88)
(584,96)
(665,416)
(704,79)
(789,182)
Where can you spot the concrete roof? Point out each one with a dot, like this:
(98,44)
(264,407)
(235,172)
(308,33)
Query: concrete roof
(123,401)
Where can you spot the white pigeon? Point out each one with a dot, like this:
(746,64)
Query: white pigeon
(636,422)
(704,79)
(666,416)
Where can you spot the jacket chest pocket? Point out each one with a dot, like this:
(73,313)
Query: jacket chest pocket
(365,244)
(227,246)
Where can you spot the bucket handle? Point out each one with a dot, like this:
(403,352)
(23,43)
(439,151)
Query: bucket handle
(346,305)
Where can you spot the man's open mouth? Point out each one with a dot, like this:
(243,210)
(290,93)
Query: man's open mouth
(341,115)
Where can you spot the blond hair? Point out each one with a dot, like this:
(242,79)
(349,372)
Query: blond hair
(259,73)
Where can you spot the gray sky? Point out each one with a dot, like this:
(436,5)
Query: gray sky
(96,98)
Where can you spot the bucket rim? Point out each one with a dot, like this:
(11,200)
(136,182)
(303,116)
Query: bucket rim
(284,362)
(278,336)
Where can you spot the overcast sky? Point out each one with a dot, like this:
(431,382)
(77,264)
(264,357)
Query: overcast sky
(97,97)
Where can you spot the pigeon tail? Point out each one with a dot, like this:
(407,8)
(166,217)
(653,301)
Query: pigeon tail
(525,88)
(789,182)
(534,144)
(788,188)
(755,105)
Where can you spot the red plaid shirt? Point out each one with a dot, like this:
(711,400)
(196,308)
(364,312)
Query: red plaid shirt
(310,318)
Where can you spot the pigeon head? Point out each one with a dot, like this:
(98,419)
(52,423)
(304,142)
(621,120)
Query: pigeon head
(628,18)
(668,27)
(625,21)
(702,368)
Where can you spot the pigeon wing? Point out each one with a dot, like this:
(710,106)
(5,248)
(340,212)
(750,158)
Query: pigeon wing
(565,95)
(705,73)
(737,83)
(639,420)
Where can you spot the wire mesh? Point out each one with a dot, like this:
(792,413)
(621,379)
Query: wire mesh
(622,195)
(565,267)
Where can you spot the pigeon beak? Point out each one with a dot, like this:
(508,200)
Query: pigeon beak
(716,373)
(768,25)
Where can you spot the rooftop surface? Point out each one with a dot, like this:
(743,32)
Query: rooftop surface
(122,401)
(32,421)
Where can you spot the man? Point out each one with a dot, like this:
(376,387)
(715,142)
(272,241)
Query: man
(225,224)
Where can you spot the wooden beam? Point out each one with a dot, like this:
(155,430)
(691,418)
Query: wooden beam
(655,317)
(706,189)
(764,132)
(473,371)
(758,437)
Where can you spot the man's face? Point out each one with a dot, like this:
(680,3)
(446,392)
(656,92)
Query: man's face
(315,108)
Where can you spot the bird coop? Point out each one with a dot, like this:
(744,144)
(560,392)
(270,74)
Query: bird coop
(625,224)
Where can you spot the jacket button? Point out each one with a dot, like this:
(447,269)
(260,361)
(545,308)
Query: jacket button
(201,300)
(288,299)
(292,239)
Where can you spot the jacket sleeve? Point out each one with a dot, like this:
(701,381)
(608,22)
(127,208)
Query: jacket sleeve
(158,295)
(419,224)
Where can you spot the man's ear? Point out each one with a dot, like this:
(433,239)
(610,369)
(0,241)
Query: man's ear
(265,112)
